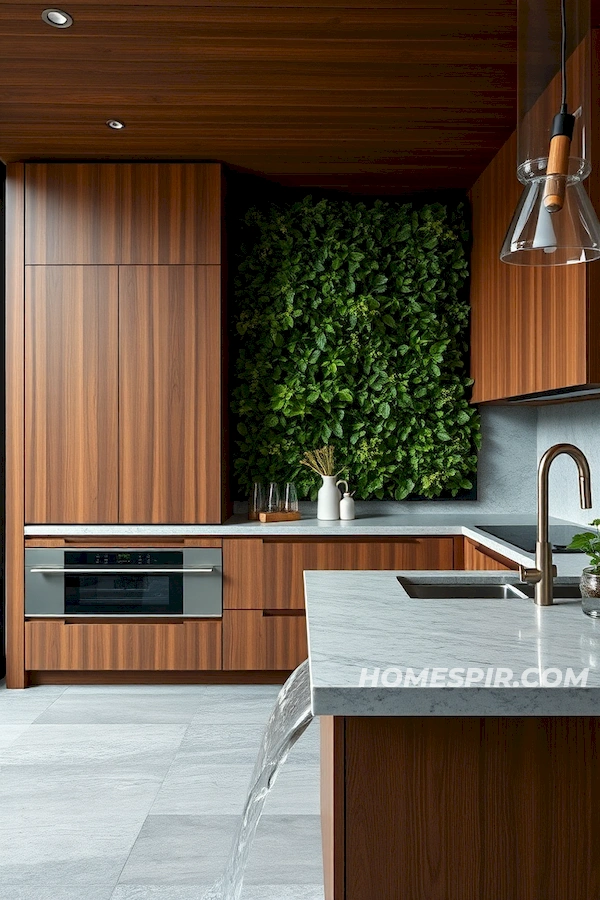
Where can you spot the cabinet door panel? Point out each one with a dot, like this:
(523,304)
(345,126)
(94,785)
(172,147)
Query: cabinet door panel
(285,563)
(71,404)
(482,559)
(257,641)
(170,394)
(72,214)
(268,573)
(171,213)
(123,646)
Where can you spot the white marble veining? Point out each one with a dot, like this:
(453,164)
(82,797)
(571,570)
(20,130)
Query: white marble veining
(366,620)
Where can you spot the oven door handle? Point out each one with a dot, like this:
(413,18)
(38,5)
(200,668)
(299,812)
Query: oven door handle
(58,570)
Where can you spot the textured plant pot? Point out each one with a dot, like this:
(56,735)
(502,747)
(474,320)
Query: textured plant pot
(590,591)
(328,499)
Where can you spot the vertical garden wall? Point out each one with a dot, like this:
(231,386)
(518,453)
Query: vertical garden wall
(352,329)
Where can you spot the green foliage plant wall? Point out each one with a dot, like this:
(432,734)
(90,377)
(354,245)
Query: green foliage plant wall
(352,329)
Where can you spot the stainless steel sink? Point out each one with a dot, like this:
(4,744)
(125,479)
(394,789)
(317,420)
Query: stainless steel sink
(559,591)
(438,590)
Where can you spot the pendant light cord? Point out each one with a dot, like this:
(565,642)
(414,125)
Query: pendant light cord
(563,53)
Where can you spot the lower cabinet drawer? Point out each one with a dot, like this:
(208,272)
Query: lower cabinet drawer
(263,640)
(180,646)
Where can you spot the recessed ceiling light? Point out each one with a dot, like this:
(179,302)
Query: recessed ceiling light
(115,124)
(57,18)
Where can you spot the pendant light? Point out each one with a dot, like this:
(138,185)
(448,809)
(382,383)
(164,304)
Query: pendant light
(554,223)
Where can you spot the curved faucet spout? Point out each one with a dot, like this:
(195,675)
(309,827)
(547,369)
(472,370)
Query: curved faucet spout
(585,482)
(543,574)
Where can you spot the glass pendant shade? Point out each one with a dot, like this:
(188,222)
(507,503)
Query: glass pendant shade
(537,236)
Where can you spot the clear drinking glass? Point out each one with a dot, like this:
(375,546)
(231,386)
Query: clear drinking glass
(273,498)
(290,497)
(257,501)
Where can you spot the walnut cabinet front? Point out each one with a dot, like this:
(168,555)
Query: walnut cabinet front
(123,394)
(264,624)
(123,338)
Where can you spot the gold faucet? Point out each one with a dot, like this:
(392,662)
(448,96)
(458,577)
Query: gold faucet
(544,573)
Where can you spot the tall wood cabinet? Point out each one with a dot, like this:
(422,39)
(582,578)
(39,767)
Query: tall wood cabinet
(534,330)
(123,343)
(115,356)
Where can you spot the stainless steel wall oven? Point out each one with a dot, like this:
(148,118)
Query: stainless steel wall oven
(118,582)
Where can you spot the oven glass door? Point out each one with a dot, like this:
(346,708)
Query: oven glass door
(124,583)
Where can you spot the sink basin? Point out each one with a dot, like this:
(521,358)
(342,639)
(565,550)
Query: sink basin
(559,591)
(438,590)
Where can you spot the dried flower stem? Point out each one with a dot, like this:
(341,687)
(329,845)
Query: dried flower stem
(321,461)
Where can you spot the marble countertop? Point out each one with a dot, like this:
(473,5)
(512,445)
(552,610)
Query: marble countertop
(365,621)
(368,526)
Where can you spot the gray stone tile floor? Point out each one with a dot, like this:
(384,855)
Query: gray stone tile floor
(133,792)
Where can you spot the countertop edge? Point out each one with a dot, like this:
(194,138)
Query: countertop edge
(240,527)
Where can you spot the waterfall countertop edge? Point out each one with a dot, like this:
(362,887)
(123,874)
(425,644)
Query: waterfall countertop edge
(366,621)
(420,525)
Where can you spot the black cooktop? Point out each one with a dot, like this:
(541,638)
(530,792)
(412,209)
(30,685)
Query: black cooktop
(524,536)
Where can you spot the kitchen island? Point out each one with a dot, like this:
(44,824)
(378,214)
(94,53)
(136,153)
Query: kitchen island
(486,790)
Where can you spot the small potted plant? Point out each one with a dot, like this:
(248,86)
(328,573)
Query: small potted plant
(588,542)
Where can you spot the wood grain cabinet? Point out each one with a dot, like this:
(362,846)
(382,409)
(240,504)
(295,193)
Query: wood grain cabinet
(123,213)
(123,361)
(534,329)
(123,646)
(478,558)
(264,625)
(170,394)
(71,394)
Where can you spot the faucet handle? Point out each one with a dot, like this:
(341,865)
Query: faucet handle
(530,576)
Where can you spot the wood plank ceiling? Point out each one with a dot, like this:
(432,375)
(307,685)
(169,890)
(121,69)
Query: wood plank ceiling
(384,97)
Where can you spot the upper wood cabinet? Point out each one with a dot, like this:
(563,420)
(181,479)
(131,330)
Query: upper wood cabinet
(533,329)
(170,394)
(72,214)
(123,213)
(71,394)
(170,213)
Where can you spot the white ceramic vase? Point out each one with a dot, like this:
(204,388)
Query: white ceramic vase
(328,499)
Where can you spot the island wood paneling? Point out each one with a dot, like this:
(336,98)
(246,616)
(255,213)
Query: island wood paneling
(72,214)
(14,580)
(333,815)
(269,640)
(480,558)
(122,646)
(71,394)
(170,394)
(472,808)
(170,214)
